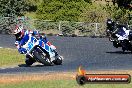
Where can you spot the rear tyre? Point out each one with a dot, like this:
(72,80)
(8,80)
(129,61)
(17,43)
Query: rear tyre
(43,58)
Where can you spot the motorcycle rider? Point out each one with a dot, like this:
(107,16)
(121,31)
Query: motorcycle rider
(22,36)
(116,30)
(110,29)
(110,25)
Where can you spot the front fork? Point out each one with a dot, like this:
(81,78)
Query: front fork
(125,44)
(56,53)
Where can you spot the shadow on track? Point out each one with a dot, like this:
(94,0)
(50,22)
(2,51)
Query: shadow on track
(24,65)
(38,65)
(119,52)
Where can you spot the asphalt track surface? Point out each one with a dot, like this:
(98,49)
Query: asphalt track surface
(91,53)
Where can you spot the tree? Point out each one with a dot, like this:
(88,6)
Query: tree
(88,1)
(64,10)
(123,3)
(12,7)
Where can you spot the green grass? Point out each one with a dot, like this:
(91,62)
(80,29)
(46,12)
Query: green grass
(61,84)
(10,57)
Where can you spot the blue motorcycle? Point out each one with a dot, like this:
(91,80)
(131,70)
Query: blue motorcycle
(39,51)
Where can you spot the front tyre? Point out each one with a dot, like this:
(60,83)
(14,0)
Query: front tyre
(29,62)
(58,60)
(123,49)
(115,44)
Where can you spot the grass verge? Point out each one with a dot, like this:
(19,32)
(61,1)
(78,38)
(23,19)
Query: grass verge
(50,80)
(47,80)
(62,84)
(10,57)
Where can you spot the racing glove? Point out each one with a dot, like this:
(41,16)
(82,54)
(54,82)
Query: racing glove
(22,50)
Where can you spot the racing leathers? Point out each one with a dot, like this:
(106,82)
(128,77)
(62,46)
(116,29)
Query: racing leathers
(25,37)
(122,33)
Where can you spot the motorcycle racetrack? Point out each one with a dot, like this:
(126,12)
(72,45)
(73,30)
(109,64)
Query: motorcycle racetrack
(91,53)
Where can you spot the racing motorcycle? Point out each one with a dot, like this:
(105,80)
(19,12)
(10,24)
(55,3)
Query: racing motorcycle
(39,51)
(127,43)
(123,39)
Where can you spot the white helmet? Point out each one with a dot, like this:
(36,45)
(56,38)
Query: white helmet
(18,29)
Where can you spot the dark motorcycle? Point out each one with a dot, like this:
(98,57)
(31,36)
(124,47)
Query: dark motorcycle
(126,42)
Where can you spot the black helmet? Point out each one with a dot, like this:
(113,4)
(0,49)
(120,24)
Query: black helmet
(109,21)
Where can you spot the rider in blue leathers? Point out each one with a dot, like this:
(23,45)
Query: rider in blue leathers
(22,36)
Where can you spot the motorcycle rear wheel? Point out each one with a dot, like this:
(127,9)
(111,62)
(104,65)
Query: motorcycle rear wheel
(44,59)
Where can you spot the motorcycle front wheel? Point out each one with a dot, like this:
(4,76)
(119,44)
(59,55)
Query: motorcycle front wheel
(29,60)
(58,60)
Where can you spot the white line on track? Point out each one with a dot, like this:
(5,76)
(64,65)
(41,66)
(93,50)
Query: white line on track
(8,67)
